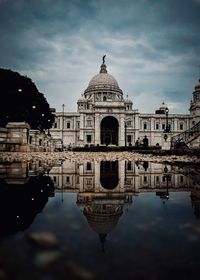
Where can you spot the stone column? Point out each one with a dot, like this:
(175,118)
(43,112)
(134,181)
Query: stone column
(97,175)
(97,129)
(121,130)
(136,116)
(81,137)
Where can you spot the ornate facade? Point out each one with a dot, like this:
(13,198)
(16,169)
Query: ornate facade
(105,117)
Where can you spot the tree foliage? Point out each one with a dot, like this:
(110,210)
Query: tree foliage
(21,101)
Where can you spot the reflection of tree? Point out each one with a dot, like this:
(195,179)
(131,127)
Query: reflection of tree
(195,199)
(19,204)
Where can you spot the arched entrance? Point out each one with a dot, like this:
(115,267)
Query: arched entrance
(109,131)
(109,175)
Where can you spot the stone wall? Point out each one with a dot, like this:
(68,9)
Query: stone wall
(18,137)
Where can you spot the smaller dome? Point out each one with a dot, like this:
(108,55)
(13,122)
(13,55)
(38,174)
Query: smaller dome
(127,100)
(163,109)
(197,87)
(163,106)
(82,99)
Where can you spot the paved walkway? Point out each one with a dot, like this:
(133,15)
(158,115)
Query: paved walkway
(91,156)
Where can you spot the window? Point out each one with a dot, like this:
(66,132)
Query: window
(145,179)
(181,179)
(157,126)
(54,179)
(157,179)
(89,181)
(78,124)
(89,123)
(30,166)
(163,126)
(67,179)
(30,139)
(104,98)
(89,138)
(68,124)
(181,126)
(129,138)
(77,179)
(145,126)
(129,123)
(55,125)
(128,181)
(129,165)
(89,166)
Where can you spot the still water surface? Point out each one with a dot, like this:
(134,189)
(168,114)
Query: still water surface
(99,220)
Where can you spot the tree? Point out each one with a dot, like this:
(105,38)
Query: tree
(21,101)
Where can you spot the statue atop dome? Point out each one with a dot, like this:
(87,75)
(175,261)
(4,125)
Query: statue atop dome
(104,59)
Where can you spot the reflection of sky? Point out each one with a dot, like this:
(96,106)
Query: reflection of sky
(154,237)
(151,234)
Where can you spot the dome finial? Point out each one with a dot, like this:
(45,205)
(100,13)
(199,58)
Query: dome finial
(103,66)
(103,58)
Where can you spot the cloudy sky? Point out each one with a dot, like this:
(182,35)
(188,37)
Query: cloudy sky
(152,47)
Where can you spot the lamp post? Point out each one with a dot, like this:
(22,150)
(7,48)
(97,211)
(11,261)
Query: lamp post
(168,178)
(164,194)
(125,126)
(167,128)
(63,111)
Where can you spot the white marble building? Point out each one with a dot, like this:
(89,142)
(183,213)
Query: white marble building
(105,117)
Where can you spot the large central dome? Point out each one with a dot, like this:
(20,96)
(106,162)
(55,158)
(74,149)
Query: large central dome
(103,79)
(103,82)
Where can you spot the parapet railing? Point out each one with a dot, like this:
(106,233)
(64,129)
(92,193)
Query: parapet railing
(186,136)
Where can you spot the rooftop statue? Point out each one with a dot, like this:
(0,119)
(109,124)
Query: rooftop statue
(104,59)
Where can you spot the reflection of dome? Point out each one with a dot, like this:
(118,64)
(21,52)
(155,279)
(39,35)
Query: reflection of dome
(103,218)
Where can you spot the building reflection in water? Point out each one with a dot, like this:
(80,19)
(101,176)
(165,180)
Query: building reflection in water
(104,208)
(104,189)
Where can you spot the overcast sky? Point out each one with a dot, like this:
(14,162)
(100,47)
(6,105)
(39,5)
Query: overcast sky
(152,48)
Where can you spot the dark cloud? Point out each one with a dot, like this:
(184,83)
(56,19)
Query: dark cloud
(151,45)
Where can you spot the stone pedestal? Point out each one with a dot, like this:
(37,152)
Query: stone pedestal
(166,141)
(17,137)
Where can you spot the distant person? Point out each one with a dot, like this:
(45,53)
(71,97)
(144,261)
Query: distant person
(138,142)
(145,142)
(145,165)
